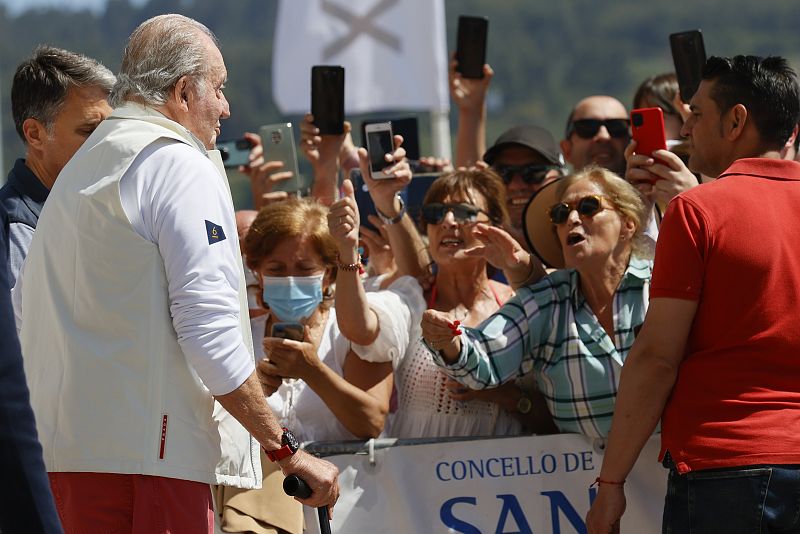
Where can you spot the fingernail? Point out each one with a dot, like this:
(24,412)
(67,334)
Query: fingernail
(457,332)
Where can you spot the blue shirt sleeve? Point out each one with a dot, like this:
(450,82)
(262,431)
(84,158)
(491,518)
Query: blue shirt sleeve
(27,503)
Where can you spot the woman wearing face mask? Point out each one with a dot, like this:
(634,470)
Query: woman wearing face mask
(575,327)
(323,387)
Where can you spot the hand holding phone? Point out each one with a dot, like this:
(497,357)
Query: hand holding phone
(293,331)
(380,141)
(689,56)
(277,141)
(647,128)
(327,98)
(471,46)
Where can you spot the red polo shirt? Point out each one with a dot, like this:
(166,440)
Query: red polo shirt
(734,247)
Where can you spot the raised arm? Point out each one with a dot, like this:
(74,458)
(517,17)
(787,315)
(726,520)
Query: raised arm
(357,322)
(469,96)
(324,152)
(410,252)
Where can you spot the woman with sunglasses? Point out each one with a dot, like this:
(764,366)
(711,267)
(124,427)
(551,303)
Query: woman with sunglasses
(575,326)
(429,404)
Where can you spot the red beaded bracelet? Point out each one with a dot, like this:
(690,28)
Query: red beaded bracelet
(357,266)
(599,480)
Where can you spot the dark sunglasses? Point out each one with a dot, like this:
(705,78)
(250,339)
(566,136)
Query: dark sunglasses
(588,206)
(530,174)
(434,213)
(588,128)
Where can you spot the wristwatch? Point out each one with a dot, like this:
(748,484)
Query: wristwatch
(289,446)
(524,405)
(397,218)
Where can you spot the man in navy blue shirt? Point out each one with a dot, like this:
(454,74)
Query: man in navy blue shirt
(57,99)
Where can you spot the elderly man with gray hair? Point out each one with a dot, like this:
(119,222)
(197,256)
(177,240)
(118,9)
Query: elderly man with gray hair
(135,268)
(58,98)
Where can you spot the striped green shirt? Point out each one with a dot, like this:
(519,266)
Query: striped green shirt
(549,328)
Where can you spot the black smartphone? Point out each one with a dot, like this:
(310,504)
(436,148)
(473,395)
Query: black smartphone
(294,331)
(471,45)
(234,153)
(327,98)
(689,56)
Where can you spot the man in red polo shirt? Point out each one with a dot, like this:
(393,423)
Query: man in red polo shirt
(717,359)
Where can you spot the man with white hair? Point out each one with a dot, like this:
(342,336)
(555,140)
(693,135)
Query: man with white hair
(137,273)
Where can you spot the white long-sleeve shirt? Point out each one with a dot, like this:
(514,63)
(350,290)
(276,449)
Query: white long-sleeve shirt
(168,194)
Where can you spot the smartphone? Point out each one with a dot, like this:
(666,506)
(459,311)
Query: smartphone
(408,127)
(278,143)
(379,143)
(689,56)
(327,98)
(471,45)
(235,153)
(647,126)
(294,331)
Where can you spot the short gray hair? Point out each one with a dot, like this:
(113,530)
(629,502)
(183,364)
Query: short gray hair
(42,81)
(160,52)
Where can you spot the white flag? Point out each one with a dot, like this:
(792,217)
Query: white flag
(394,53)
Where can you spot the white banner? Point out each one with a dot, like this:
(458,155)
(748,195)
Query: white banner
(520,485)
(394,53)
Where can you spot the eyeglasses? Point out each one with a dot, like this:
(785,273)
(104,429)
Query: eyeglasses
(588,206)
(588,128)
(530,174)
(434,213)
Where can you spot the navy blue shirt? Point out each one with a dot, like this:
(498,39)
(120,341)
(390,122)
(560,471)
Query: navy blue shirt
(26,504)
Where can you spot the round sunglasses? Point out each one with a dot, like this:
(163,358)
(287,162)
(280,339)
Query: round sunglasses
(530,174)
(587,206)
(588,128)
(435,212)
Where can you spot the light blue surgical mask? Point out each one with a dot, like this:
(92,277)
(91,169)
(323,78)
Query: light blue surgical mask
(293,298)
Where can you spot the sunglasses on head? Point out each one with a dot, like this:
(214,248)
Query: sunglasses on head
(588,128)
(530,174)
(588,206)
(435,212)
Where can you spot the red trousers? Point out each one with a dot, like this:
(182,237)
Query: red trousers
(108,503)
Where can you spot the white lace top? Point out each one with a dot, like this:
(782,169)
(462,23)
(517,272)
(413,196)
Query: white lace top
(425,408)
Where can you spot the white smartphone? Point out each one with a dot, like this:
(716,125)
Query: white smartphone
(379,143)
(278,143)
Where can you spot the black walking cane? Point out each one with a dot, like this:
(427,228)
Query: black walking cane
(294,486)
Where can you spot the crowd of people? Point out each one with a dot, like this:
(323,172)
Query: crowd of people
(173,371)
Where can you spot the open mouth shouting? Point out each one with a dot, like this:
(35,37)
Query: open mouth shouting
(573,238)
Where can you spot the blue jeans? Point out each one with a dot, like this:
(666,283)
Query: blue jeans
(746,500)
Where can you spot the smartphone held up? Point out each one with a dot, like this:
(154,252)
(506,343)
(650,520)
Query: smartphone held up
(379,143)
(471,46)
(689,56)
(327,98)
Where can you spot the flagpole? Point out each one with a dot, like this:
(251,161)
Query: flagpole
(440,134)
